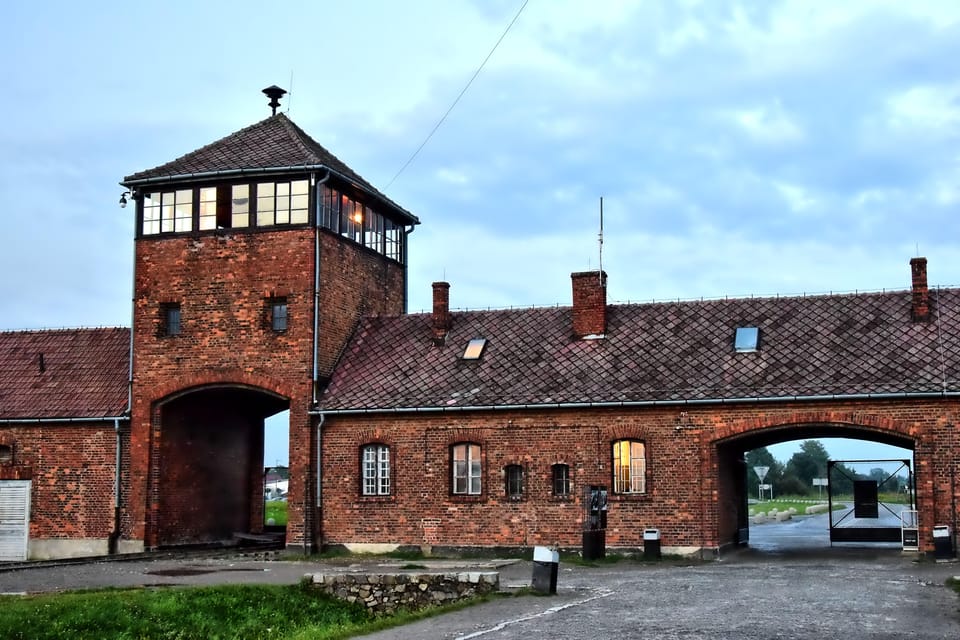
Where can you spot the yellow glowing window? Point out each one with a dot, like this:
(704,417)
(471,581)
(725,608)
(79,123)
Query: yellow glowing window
(474,349)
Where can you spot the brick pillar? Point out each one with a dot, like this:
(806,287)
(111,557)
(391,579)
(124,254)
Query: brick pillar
(441,311)
(589,303)
(921,295)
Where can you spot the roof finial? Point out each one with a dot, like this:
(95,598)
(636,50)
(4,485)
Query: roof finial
(274,93)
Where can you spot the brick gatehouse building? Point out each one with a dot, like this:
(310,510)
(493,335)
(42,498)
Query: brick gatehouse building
(269,276)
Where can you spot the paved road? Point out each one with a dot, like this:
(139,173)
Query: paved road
(804,594)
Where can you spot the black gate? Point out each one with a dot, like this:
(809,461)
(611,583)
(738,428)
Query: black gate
(866,507)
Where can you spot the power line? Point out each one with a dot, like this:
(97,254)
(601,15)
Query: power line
(463,91)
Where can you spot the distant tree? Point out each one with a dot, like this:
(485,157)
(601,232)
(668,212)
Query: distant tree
(791,485)
(809,463)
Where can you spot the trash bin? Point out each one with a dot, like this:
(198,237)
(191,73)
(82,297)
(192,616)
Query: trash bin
(651,544)
(942,543)
(546,562)
(594,544)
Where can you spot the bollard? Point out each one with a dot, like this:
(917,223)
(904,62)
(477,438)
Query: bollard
(546,562)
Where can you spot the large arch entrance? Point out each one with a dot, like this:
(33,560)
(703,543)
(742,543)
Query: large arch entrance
(733,474)
(209,471)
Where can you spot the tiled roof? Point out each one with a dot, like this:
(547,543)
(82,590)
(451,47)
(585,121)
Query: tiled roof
(273,143)
(675,351)
(84,373)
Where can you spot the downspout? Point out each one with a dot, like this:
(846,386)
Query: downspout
(406,268)
(319,498)
(316,288)
(115,534)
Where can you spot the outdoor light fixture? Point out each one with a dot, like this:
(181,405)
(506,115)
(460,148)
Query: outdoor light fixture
(123,198)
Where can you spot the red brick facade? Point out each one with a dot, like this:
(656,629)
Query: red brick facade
(691,486)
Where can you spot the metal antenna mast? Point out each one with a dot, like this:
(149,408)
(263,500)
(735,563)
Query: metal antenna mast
(600,240)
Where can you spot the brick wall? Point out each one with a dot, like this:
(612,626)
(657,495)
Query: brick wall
(691,493)
(224,284)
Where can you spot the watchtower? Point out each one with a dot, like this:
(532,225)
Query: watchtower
(255,256)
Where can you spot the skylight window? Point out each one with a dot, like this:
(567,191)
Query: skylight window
(746,340)
(474,349)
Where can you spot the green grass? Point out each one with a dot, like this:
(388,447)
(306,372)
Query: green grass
(208,613)
(277,510)
(782,504)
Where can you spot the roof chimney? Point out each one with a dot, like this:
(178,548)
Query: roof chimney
(921,295)
(274,93)
(441,311)
(589,303)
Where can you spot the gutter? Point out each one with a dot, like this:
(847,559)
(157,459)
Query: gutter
(113,419)
(642,403)
(305,168)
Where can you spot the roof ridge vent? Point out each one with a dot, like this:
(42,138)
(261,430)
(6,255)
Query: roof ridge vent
(274,93)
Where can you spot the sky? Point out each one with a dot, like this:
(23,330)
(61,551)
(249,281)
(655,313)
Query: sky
(740,148)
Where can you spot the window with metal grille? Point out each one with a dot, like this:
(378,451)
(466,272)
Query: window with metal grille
(375,460)
(278,314)
(466,469)
(170,319)
(561,479)
(629,466)
(514,481)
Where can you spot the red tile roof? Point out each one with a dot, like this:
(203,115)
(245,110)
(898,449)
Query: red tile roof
(275,143)
(837,345)
(84,373)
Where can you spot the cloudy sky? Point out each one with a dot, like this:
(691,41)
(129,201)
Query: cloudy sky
(768,147)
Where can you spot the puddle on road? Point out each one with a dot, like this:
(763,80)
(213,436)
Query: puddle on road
(193,571)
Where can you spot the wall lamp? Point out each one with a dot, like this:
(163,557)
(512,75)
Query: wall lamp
(123,198)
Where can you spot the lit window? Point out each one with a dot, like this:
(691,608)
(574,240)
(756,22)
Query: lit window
(466,469)
(170,319)
(208,209)
(474,349)
(514,481)
(561,479)
(747,339)
(240,205)
(629,466)
(376,470)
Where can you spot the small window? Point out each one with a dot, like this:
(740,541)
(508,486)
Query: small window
(465,469)
(747,339)
(6,454)
(514,481)
(629,466)
(278,314)
(474,349)
(561,480)
(375,460)
(170,319)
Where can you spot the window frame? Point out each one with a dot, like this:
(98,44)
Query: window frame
(278,314)
(634,473)
(513,481)
(376,480)
(171,319)
(561,480)
(472,464)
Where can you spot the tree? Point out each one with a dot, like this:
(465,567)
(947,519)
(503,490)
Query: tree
(809,463)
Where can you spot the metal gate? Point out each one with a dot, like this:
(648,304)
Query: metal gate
(866,507)
(14,519)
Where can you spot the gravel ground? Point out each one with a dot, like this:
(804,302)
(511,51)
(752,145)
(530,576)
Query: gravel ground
(854,594)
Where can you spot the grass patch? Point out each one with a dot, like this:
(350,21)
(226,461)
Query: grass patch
(252,612)
(275,510)
(787,503)
(954,583)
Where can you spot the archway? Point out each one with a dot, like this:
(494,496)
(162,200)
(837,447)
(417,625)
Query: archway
(210,465)
(733,473)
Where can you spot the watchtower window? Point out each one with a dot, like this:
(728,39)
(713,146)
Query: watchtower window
(170,319)
(278,314)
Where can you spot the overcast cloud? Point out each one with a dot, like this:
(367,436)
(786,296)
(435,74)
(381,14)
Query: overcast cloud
(740,147)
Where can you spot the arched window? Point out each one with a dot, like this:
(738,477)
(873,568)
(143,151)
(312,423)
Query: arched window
(465,469)
(375,466)
(629,466)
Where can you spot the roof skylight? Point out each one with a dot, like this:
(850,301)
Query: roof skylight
(747,339)
(474,349)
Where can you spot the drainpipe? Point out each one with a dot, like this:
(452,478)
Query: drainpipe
(115,534)
(406,268)
(319,498)
(316,287)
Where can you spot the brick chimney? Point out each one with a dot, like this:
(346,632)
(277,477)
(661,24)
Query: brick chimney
(441,311)
(921,295)
(589,303)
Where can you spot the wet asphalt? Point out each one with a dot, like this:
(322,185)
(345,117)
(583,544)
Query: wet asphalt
(790,591)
